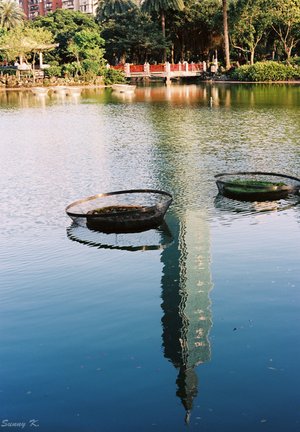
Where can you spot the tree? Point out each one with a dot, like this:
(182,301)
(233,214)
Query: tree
(161,7)
(64,25)
(132,36)
(11,15)
(86,46)
(14,44)
(22,41)
(286,23)
(109,8)
(226,36)
(250,21)
(195,31)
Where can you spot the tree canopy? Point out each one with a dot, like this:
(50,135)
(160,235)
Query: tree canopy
(109,8)
(173,30)
(286,23)
(160,7)
(250,22)
(11,14)
(64,25)
(22,41)
(132,36)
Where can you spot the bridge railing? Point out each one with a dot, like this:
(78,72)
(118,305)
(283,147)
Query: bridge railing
(165,68)
(175,67)
(157,68)
(136,68)
(118,67)
(195,67)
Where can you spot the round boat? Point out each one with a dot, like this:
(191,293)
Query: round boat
(73,91)
(40,91)
(122,211)
(124,88)
(256,186)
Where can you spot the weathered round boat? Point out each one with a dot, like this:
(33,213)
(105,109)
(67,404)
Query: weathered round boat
(124,88)
(40,91)
(122,211)
(257,186)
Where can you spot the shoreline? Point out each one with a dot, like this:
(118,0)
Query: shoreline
(252,82)
(100,86)
(89,86)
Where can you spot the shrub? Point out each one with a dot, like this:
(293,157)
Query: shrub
(53,71)
(6,70)
(112,76)
(71,69)
(91,66)
(295,61)
(266,71)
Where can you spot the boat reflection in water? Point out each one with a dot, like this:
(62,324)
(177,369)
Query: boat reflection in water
(153,239)
(186,284)
(230,209)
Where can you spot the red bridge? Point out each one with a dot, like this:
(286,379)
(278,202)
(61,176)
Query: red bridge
(166,70)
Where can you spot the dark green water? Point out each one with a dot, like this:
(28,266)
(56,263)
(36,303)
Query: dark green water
(196,321)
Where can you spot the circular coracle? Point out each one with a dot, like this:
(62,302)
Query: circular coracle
(122,211)
(257,185)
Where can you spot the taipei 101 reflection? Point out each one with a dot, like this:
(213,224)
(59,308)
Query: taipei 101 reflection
(186,284)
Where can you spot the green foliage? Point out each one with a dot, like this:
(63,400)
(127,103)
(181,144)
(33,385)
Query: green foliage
(88,40)
(109,8)
(188,31)
(111,76)
(71,69)
(266,71)
(161,5)
(135,36)
(286,23)
(295,61)
(91,66)
(8,71)
(53,71)
(22,41)
(196,30)
(250,20)
(11,15)
(254,183)
(87,44)
(64,25)
(132,36)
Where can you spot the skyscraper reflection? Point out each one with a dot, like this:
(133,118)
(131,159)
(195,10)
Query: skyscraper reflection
(186,283)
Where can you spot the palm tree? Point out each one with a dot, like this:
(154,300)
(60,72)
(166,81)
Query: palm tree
(108,8)
(161,7)
(11,14)
(226,36)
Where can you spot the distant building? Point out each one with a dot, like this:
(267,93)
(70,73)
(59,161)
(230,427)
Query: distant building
(34,8)
(70,4)
(88,6)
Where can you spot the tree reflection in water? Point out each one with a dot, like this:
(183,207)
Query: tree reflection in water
(186,284)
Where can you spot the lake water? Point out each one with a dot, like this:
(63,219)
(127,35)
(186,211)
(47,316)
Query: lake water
(197,322)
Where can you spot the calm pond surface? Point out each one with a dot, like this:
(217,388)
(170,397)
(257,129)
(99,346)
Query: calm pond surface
(195,322)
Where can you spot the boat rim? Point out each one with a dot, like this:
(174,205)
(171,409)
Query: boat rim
(224,182)
(105,194)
